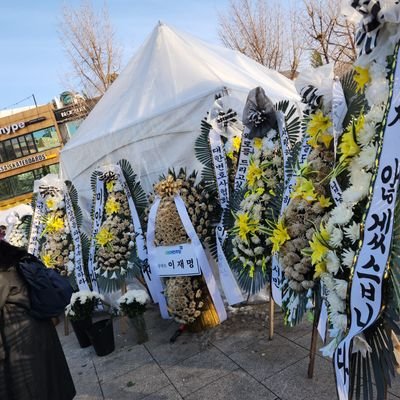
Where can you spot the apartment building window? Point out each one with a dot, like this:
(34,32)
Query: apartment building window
(31,143)
(23,183)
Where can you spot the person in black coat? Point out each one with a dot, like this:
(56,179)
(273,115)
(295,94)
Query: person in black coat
(32,361)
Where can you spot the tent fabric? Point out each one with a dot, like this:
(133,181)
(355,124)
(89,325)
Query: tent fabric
(151,114)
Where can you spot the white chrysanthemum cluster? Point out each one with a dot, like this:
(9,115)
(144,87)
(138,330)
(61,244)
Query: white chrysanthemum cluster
(265,172)
(343,224)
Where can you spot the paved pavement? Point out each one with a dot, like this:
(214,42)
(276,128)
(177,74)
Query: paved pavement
(234,361)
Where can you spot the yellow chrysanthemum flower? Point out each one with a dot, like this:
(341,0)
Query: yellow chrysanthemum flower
(361,78)
(112,206)
(318,248)
(236,141)
(50,203)
(104,236)
(324,202)
(48,261)
(279,236)
(317,129)
(54,224)
(359,124)
(304,190)
(348,146)
(254,173)
(258,143)
(320,269)
(245,225)
(230,155)
(110,185)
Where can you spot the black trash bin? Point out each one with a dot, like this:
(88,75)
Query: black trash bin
(101,334)
(80,328)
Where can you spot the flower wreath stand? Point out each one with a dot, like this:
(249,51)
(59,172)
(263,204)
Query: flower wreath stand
(188,289)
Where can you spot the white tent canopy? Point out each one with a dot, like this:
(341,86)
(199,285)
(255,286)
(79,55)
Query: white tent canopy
(151,114)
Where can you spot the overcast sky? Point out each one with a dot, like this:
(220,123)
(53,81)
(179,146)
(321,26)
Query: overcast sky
(32,61)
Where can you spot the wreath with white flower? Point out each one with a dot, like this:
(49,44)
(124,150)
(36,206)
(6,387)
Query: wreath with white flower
(115,253)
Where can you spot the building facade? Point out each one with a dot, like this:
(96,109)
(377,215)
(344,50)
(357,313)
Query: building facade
(30,142)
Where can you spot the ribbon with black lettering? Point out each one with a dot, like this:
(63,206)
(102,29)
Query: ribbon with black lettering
(372,258)
(229,284)
(37,226)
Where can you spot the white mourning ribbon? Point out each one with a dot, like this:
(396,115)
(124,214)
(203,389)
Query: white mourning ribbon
(201,258)
(140,241)
(246,150)
(97,217)
(150,237)
(198,251)
(339,111)
(276,270)
(285,142)
(373,256)
(76,239)
(229,284)
(37,226)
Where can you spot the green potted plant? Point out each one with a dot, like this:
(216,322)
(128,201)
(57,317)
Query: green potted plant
(79,311)
(133,305)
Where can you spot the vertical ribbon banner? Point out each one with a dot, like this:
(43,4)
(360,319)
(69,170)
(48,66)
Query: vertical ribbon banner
(339,111)
(276,270)
(151,231)
(76,238)
(37,226)
(229,284)
(97,217)
(246,150)
(372,259)
(140,242)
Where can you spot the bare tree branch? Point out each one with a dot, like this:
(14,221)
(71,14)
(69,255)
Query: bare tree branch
(89,42)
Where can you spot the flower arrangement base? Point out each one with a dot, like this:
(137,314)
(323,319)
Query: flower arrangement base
(208,318)
(139,323)
(80,328)
(101,334)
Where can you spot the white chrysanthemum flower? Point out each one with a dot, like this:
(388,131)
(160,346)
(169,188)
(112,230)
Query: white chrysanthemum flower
(335,302)
(366,158)
(117,187)
(366,134)
(352,232)
(375,114)
(328,281)
(332,262)
(341,288)
(378,91)
(339,321)
(341,214)
(138,295)
(272,134)
(361,181)
(348,257)
(335,237)
(70,267)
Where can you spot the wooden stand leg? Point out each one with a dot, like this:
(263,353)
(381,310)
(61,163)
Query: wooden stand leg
(271,315)
(66,326)
(313,346)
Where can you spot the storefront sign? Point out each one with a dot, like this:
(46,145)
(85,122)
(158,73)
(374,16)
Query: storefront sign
(14,127)
(66,113)
(23,161)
